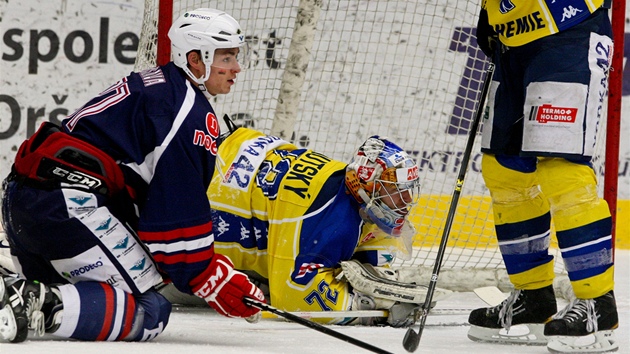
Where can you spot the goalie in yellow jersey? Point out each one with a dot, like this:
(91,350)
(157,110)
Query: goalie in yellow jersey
(316,230)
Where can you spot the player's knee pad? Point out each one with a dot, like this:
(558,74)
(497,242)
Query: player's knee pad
(570,187)
(509,178)
(513,185)
(151,317)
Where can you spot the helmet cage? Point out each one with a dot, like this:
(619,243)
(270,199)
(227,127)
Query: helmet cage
(390,203)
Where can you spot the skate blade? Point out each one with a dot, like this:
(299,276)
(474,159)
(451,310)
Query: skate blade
(598,342)
(525,334)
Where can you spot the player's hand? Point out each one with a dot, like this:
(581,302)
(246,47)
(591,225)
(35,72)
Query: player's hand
(225,289)
(487,38)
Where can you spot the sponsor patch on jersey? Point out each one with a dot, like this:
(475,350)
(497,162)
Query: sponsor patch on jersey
(208,139)
(91,265)
(506,6)
(552,114)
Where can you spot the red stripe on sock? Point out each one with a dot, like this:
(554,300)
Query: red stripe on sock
(110,306)
(130,312)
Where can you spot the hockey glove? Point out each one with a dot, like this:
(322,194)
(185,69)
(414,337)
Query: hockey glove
(225,289)
(487,38)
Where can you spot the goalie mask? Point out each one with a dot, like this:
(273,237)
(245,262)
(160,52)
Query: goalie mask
(206,30)
(384,179)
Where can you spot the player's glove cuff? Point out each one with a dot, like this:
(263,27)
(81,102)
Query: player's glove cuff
(225,289)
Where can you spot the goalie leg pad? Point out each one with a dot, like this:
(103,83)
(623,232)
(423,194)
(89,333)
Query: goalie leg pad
(383,283)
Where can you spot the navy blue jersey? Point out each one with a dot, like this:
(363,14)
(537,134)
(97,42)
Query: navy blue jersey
(163,133)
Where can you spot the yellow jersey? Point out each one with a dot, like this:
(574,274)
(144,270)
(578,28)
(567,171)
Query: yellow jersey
(518,22)
(284,213)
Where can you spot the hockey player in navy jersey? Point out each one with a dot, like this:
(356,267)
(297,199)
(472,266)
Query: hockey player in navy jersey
(298,218)
(100,210)
(552,60)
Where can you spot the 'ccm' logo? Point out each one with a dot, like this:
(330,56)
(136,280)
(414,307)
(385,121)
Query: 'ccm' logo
(208,287)
(76,177)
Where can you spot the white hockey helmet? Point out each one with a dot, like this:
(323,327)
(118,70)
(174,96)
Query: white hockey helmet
(384,179)
(205,30)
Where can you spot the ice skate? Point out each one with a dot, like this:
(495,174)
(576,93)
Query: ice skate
(21,304)
(585,326)
(530,308)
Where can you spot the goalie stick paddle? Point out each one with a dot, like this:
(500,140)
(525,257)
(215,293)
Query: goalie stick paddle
(412,339)
(369,313)
(314,325)
(332,314)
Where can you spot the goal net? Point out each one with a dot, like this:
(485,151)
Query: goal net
(327,74)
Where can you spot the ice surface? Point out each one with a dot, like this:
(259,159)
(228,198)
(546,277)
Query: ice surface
(197,330)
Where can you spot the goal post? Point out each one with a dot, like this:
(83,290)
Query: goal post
(329,74)
(295,69)
(613,128)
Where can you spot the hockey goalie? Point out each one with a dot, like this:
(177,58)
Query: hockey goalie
(320,234)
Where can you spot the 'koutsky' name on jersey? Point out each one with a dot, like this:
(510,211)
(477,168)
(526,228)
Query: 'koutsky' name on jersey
(303,172)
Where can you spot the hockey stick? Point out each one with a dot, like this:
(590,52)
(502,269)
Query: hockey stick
(412,339)
(332,314)
(363,313)
(314,325)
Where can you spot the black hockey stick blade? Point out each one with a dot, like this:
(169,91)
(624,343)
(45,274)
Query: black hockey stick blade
(412,339)
(314,325)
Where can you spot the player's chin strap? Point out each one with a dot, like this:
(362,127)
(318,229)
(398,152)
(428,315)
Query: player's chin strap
(201,82)
(370,208)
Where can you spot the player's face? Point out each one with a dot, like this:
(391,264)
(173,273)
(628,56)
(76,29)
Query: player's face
(394,198)
(223,71)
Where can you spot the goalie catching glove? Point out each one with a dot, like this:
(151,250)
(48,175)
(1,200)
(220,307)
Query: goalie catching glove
(225,289)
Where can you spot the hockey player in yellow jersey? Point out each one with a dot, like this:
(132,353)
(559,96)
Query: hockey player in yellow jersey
(552,60)
(294,215)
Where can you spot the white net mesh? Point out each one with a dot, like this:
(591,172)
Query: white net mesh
(409,70)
